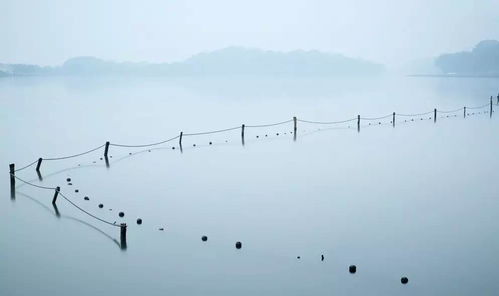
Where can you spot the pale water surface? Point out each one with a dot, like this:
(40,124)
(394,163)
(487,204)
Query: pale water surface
(419,200)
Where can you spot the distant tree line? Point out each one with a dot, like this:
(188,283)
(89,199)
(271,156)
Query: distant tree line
(482,60)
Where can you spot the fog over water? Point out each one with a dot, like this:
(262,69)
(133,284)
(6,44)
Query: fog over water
(418,200)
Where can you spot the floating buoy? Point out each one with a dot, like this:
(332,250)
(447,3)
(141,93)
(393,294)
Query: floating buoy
(161,229)
(68,179)
(211,143)
(258,136)
(101,158)
(277,134)
(204,238)
(404,280)
(193,145)
(121,214)
(298,257)
(86,198)
(239,245)
(139,221)
(129,153)
(70,184)
(76,190)
(101,206)
(352,269)
(173,148)
(149,150)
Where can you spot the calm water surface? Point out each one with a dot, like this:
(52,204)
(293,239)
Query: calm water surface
(419,200)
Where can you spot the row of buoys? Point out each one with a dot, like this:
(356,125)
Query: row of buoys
(120,214)
(239,245)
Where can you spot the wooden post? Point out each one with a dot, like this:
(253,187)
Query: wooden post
(464,111)
(358,123)
(180,139)
(294,128)
(393,120)
(39,164)
(498,99)
(12,169)
(123,236)
(491,110)
(106,150)
(435,115)
(56,193)
(242,133)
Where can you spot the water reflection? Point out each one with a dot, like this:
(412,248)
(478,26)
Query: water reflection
(122,244)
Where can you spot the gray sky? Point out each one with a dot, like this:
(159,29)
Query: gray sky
(386,31)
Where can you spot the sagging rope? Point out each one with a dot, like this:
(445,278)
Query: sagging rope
(238,127)
(67,199)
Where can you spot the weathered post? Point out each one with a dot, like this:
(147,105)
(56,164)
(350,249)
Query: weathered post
(39,164)
(435,115)
(358,123)
(498,99)
(491,110)
(12,169)
(464,111)
(393,120)
(56,194)
(180,141)
(106,149)
(242,134)
(294,128)
(123,236)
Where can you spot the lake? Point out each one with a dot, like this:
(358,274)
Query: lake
(419,200)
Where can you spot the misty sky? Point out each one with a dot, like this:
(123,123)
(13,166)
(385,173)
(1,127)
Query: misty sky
(387,31)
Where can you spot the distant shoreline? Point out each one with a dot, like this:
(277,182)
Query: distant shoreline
(453,76)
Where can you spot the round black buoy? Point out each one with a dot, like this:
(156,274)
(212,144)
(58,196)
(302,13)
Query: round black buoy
(258,136)
(139,221)
(211,143)
(68,179)
(352,269)
(173,148)
(101,158)
(70,184)
(129,153)
(86,198)
(193,145)
(204,238)
(239,245)
(149,150)
(76,190)
(121,214)
(101,206)
(404,280)
(298,257)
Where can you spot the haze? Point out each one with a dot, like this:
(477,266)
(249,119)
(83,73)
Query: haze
(389,32)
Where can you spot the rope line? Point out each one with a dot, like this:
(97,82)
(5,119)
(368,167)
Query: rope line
(271,124)
(451,111)
(479,107)
(414,115)
(144,145)
(74,155)
(212,132)
(327,122)
(27,166)
(31,184)
(93,216)
(376,118)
